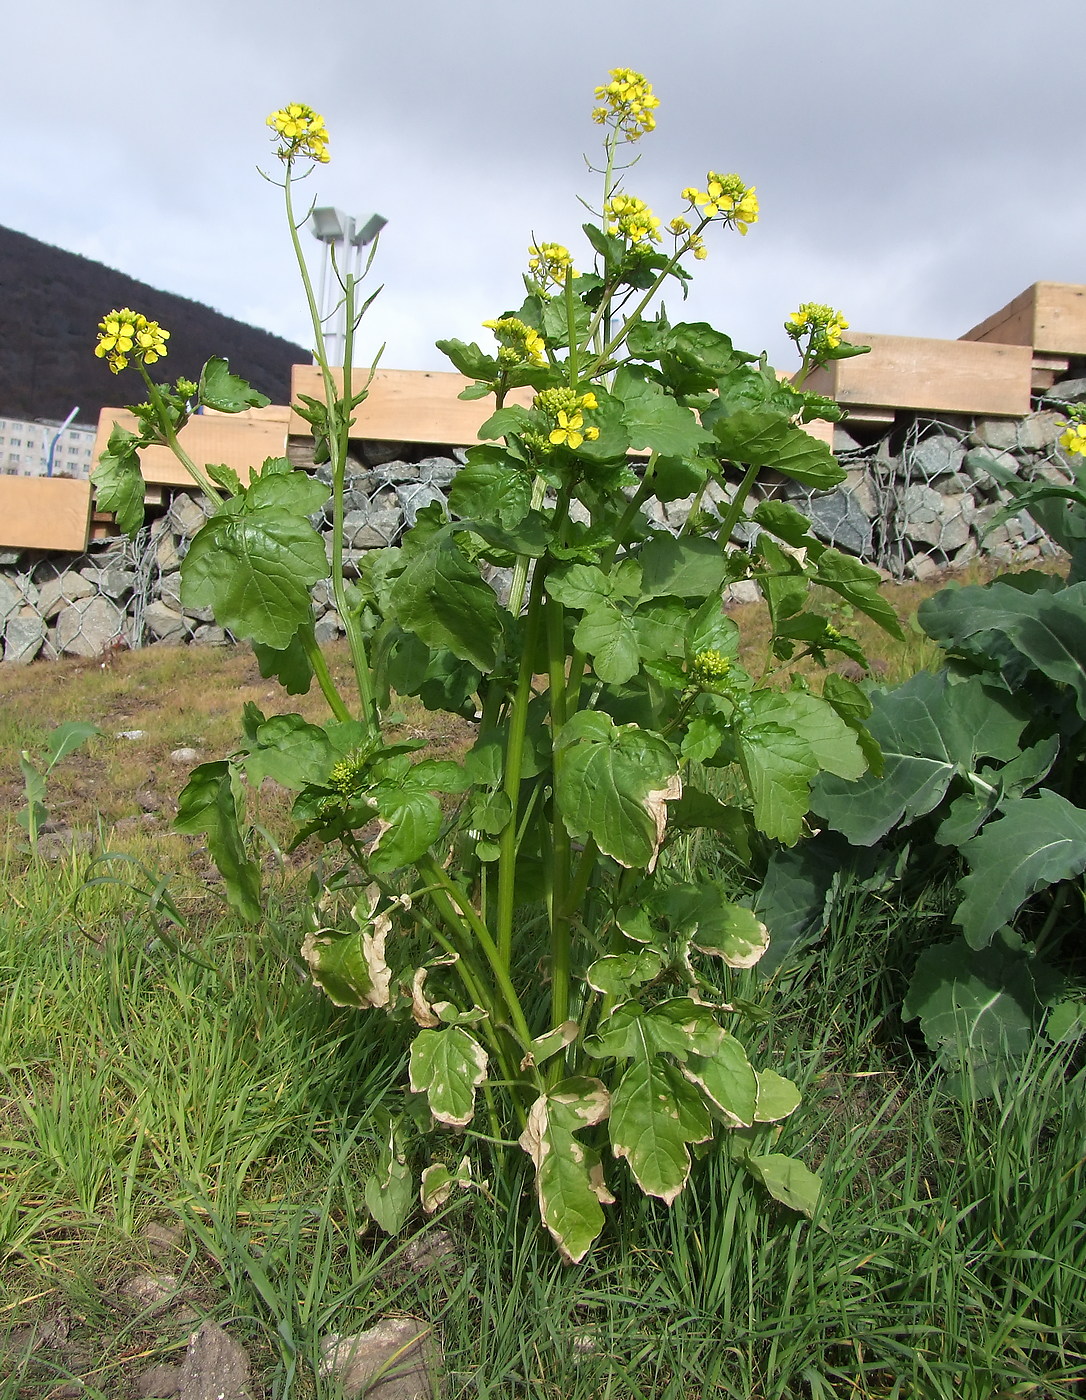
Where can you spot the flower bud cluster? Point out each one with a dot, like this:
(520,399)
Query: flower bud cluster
(519,343)
(727,198)
(708,670)
(551,262)
(302,131)
(628,104)
(691,242)
(127,333)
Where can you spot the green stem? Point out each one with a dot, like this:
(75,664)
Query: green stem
(520,566)
(198,474)
(735,510)
(328,687)
(561,849)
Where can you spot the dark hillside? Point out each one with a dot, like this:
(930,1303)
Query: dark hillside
(50,305)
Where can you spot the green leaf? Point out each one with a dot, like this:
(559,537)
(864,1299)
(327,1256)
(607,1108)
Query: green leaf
(388,1192)
(211,804)
(226,477)
(289,750)
(471,360)
(290,665)
(118,481)
(448,1066)
(787,1180)
(410,824)
(441,598)
(655,1113)
(254,571)
(226,392)
(928,729)
(766,438)
(506,421)
(727,1079)
(832,742)
(65,739)
(611,784)
(495,488)
(777,1097)
(859,586)
(608,636)
(732,933)
(654,420)
(569,1182)
(779,767)
(350,967)
(682,568)
(1036,842)
(618,973)
(278,486)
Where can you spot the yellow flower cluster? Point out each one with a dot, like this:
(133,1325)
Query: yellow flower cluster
(124,333)
(692,242)
(727,198)
(566,409)
(519,343)
(822,323)
(628,104)
(302,131)
(551,262)
(632,218)
(1074,438)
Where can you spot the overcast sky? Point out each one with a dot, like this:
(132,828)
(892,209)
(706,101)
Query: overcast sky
(917,161)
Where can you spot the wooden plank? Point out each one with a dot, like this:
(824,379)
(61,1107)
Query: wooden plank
(42,512)
(1050,316)
(939,376)
(407,405)
(235,440)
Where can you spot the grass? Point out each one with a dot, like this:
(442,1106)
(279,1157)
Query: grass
(176,1099)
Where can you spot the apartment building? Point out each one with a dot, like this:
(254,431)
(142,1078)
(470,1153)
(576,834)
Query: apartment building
(25,448)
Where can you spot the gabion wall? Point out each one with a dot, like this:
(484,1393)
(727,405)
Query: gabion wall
(917,500)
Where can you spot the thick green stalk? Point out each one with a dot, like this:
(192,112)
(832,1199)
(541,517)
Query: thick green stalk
(329,690)
(561,849)
(735,510)
(198,474)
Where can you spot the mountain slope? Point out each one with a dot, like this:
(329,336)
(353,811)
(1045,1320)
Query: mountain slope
(50,304)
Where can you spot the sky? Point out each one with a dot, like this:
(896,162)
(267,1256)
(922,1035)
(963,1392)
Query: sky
(917,161)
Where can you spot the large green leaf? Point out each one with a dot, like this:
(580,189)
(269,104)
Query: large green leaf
(410,823)
(859,585)
(832,742)
(289,750)
(388,1190)
(778,766)
(211,804)
(767,438)
(787,1180)
(569,1182)
(929,729)
(448,1066)
(682,568)
(608,636)
(728,1080)
(655,1113)
(350,967)
(254,571)
(493,487)
(1036,842)
(654,420)
(442,599)
(612,783)
(118,481)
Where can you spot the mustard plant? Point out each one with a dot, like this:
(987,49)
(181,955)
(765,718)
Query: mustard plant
(522,911)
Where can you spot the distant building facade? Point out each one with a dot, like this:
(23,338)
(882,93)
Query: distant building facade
(25,448)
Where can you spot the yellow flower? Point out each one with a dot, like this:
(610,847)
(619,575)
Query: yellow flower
(632,219)
(551,262)
(628,104)
(726,198)
(302,131)
(520,344)
(563,406)
(568,432)
(1074,438)
(127,333)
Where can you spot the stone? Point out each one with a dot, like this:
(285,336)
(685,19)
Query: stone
(437,471)
(923,567)
(12,597)
(55,593)
(1069,390)
(862,489)
(88,627)
(837,518)
(9,558)
(843,441)
(164,623)
(432,1249)
(112,582)
(978,462)
(412,499)
(24,635)
(956,484)
(935,455)
(186,514)
(1001,433)
(131,734)
(376,453)
(1039,431)
(185,755)
(167,553)
(926,517)
(746,591)
(151,1293)
(328,628)
(208,635)
(216,1367)
(396,1360)
(159,1383)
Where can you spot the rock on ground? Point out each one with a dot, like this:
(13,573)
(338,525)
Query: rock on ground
(396,1360)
